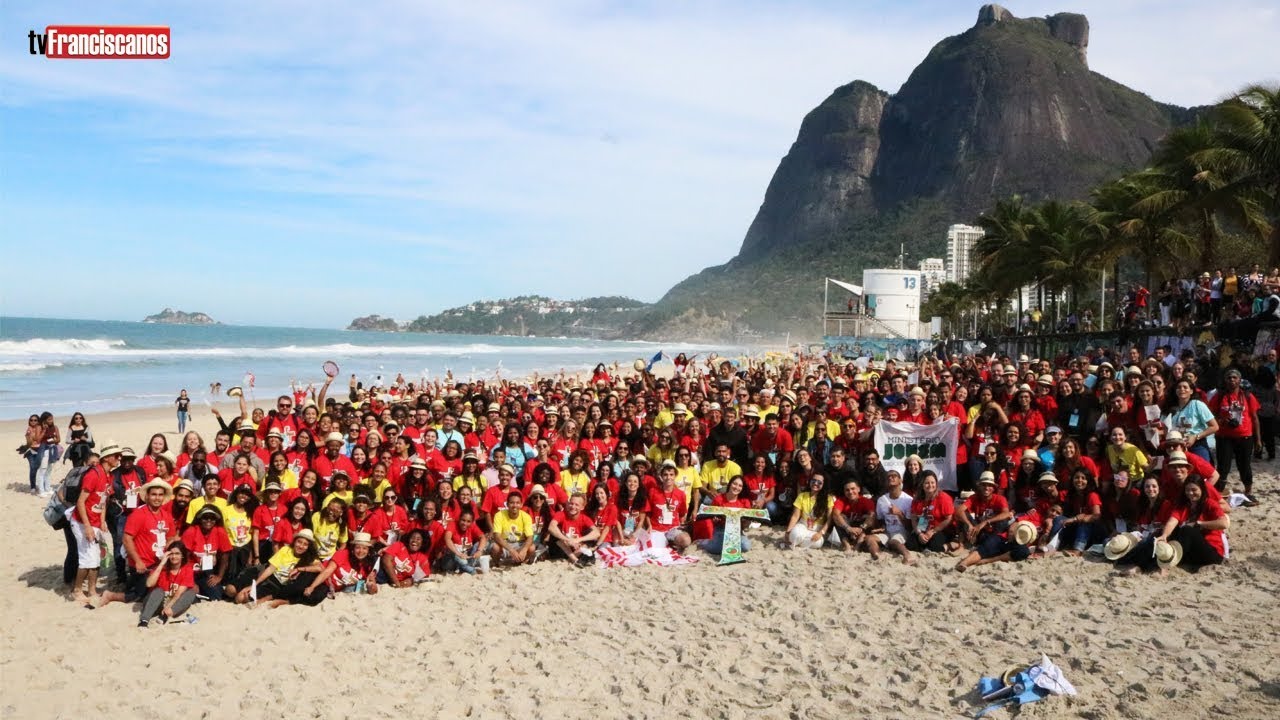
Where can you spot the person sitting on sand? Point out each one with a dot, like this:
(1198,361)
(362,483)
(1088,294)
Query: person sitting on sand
(573,532)
(351,569)
(893,513)
(810,517)
(406,561)
(464,543)
(513,533)
(290,576)
(933,512)
(1082,511)
(668,507)
(171,586)
(1011,545)
(853,516)
(984,513)
(207,540)
(732,497)
(1193,521)
(330,528)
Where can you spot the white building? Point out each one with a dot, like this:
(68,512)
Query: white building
(933,272)
(961,240)
(893,297)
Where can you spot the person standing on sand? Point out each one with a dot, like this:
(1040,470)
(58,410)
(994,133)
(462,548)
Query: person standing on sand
(88,521)
(184,405)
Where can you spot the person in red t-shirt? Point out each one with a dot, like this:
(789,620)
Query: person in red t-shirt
(1082,510)
(853,515)
(732,497)
(668,507)
(1195,522)
(389,522)
(406,561)
(146,534)
(574,532)
(172,586)
(604,514)
(1236,411)
(772,440)
(88,519)
(208,540)
(933,512)
(464,542)
(984,519)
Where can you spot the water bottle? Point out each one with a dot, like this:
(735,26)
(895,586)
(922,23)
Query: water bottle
(192,620)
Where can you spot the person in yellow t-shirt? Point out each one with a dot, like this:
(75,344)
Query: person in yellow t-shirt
(574,478)
(330,527)
(235,517)
(377,484)
(664,449)
(513,533)
(339,489)
(714,478)
(686,471)
(210,496)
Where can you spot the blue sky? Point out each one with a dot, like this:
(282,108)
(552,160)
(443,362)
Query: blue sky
(304,163)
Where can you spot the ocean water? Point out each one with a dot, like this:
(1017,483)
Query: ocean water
(94,366)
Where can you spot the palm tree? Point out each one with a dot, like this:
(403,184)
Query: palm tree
(1194,182)
(1002,254)
(1065,249)
(1249,130)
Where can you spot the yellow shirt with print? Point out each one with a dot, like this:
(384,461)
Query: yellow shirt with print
(238,525)
(574,483)
(195,505)
(833,430)
(715,478)
(807,503)
(329,535)
(288,480)
(475,482)
(687,479)
(657,455)
(376,490)
(515,531)
(664,418)
(284,561)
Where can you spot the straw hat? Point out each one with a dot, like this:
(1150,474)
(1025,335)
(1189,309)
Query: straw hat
(361,538)
(234,391)
(247,427)
(418,463)
(751,412)
(209,511)
(272,486)
(1168,554)
(109,449)
(1174,437)
(127,452)
(1118,546)
(1030,454)
(681,409)
(1047,477)
(158,483)
(537,490)
(1023,532)
(467,418)
(1044,380)
(987,477)
(1177,458)
(275,433)
(306,534)
(334,437)
(494,407)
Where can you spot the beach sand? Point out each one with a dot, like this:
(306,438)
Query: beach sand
(786,634)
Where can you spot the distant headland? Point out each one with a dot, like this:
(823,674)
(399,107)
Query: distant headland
(169,316)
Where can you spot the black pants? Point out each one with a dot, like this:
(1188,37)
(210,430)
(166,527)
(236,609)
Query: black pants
(1240,450)
(1269,427)
(937,543)
(1196,551)
(293,591)
(72,563)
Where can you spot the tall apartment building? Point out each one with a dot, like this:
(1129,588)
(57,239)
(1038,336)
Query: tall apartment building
(960,242)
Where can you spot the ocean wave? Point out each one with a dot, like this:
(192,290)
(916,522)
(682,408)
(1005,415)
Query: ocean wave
(110,349)
(28,367)
(59,346)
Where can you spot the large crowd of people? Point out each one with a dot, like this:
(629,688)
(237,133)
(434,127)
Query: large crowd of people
(381,488)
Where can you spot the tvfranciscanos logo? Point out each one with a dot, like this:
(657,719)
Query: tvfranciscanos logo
(100,42)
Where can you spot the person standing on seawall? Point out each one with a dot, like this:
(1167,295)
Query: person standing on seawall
(184,405)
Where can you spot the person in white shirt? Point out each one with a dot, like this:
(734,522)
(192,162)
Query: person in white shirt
(893,515)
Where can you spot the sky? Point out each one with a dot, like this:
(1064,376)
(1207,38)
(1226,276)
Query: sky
(301,164)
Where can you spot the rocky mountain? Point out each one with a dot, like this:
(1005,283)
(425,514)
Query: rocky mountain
(596,317)
(374,322)
(169,316)
(1008,106)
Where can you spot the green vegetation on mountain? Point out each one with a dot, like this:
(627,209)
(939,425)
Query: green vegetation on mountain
(169,316)
(595,317)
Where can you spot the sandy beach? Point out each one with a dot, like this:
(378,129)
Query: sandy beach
(786,634)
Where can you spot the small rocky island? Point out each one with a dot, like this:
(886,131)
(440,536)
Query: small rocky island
(374,322)
(169,316)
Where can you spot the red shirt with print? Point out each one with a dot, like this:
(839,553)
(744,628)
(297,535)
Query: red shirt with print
(151,532)
(575,527)
(666,509)
(938,510)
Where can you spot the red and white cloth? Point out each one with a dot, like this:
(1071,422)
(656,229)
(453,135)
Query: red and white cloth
(649,549)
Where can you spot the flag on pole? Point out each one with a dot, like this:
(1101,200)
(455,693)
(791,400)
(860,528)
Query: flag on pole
(657,358)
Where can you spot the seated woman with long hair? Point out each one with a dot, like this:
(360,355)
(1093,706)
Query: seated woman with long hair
(1082,511)
(172,585)
(810,516)
(289,576)
(732,497)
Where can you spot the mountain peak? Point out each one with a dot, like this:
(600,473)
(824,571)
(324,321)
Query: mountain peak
(1070,28)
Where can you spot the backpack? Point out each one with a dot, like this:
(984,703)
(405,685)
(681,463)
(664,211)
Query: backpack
(64,497)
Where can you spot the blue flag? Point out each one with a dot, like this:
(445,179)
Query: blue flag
(653,361)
